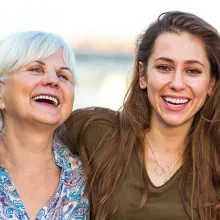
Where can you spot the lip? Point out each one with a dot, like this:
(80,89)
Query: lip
(48,94)
(175,108)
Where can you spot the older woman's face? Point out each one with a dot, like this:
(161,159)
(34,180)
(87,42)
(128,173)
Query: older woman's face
(177,78)
(40,92)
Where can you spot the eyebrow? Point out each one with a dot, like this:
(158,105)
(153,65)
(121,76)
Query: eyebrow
(65,68)
(62,67)
(40,62)
(186,62)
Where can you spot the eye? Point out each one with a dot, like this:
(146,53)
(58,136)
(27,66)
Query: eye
(63,77)
(35,69)
(194,71)
(163,68)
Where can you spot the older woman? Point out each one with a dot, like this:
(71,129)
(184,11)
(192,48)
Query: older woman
(159,157)
(39,177)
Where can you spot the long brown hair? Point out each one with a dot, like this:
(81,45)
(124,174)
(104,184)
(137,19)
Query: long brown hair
(127,131)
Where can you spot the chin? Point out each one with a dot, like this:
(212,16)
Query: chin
(50,124)
(176,121)
(49,120)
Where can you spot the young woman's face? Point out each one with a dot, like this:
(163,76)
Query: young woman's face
(177,78)
(41,92)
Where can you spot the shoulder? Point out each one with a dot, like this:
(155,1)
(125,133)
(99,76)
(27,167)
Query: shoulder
(73,173)
(91,123)
(74,198)
(71,163)
(81,116)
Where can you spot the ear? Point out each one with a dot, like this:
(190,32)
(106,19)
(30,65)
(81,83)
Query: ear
(2,104)
(142,76)
(211,86)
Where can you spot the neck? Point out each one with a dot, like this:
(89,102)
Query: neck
(25,148)
(168,138)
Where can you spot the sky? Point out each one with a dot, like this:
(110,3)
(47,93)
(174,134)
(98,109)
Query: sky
(97,21)
(107,19)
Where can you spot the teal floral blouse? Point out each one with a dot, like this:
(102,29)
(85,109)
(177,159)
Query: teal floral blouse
(68,202)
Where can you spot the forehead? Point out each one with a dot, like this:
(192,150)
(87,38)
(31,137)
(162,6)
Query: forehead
(180,47)
(55,58)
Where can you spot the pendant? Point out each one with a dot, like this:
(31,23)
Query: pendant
(166,169)
(158,170)
(161,170)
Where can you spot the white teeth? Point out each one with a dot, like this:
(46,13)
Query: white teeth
(176,101)
(46,97)
(179,105)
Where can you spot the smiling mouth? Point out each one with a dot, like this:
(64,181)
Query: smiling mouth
(46,99)
(175,102)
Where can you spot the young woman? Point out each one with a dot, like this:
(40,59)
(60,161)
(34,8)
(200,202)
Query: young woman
(39,177)
(159,157)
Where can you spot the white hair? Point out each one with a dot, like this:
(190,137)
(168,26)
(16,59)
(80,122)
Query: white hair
(25,47)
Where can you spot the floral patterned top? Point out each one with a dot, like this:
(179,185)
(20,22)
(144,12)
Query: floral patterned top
(68,202)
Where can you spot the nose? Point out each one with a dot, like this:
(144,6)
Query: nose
(51,79)
(177,82)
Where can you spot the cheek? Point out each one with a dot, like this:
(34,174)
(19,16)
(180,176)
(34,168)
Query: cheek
(16,92)
(153,91)
(69,99)
(200,87)
(156,85)
(72,99)
(23,89)
(201,92)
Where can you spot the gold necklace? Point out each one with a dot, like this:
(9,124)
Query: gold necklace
(165,170)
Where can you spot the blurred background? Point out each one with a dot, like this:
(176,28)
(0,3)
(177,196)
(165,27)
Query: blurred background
(102,33)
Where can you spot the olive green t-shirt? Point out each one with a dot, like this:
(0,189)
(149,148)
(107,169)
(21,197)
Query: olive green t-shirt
(163,203)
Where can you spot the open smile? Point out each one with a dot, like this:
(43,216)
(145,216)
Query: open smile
(46,99)
(175,103)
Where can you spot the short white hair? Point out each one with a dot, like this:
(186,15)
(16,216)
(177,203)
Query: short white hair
(25,47)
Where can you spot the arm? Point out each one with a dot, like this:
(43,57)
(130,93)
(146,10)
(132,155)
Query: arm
(86,126)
